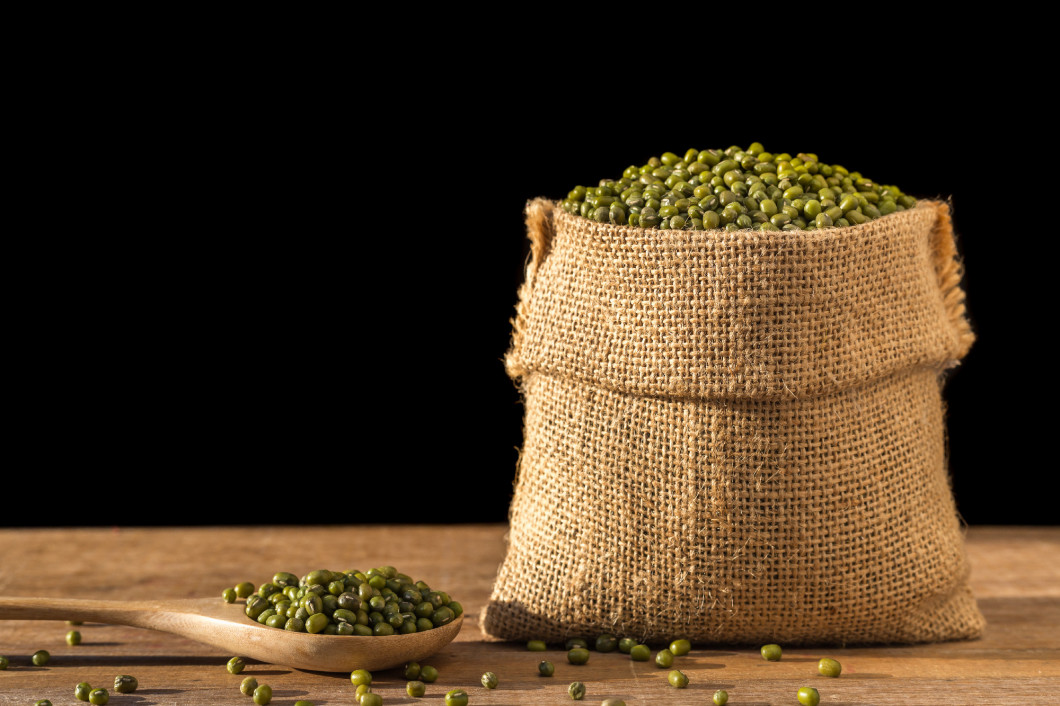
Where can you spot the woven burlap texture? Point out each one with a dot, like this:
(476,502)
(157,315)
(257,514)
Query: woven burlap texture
(736,437)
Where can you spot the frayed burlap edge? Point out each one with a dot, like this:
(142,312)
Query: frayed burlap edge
(539,230)
(950,271)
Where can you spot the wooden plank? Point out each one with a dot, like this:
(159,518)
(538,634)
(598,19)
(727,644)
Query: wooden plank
(1015,574)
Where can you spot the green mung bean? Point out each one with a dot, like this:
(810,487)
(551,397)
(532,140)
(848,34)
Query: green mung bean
(578,655)
(456,697)
(680,648)
(829,667)
(640,653)
(664,659)
(606,643)
(315,623)
(125,684)
(379,628)
(262,695)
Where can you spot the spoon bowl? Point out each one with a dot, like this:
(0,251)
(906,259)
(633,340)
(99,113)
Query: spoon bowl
(213,622)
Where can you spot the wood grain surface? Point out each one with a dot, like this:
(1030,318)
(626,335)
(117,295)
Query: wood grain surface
(1015,575)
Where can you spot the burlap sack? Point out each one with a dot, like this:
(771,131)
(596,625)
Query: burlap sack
(736,437)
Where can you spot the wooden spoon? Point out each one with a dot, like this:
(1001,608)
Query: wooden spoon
(224,625)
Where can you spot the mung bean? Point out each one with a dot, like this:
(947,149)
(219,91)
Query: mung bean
(771,652)
(829,667)
(262,695)
(456,697)
(125,684)
(679,648)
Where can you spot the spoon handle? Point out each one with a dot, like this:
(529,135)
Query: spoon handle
(134,613)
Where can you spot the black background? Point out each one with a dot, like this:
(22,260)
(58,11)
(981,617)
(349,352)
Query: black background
(287,298)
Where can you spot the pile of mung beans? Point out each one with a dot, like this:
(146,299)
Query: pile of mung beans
(736,189)
(380,601)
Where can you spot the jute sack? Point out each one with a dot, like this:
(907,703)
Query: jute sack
(736,437)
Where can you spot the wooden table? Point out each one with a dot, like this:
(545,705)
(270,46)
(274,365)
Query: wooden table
(1016,576)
